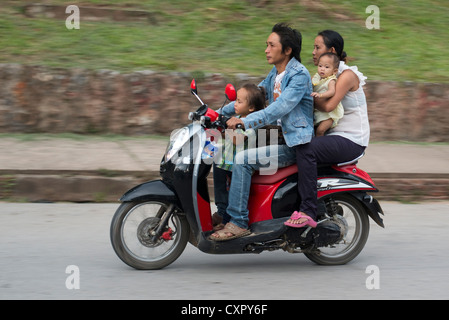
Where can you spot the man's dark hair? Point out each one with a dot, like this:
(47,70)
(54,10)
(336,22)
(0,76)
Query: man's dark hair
(290,38)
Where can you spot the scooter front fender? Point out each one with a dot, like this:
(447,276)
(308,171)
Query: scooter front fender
(151,190)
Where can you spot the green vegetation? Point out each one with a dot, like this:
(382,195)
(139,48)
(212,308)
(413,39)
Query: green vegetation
(228,36)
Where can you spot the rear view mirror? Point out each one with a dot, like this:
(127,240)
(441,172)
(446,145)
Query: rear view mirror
(194,91)
(193,86)
(230,92)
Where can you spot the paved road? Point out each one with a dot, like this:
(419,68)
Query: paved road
(39,241)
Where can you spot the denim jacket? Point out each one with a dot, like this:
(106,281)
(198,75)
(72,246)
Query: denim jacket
(294,107)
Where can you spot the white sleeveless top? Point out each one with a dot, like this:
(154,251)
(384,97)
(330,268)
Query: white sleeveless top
(354,125)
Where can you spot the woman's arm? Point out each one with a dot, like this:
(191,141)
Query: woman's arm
(347,81)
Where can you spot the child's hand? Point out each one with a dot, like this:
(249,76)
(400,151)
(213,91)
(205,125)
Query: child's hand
(316,95)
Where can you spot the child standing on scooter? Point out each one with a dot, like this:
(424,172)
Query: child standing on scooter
(250,98)
(324,87)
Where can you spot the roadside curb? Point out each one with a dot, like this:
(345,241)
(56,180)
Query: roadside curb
(69,185)
(110,185)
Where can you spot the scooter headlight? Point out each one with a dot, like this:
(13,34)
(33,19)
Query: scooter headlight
(177,140)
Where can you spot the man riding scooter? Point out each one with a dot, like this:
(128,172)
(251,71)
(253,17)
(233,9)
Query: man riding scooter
(288,88)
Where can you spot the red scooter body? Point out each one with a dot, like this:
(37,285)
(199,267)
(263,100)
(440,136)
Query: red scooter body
(264,187)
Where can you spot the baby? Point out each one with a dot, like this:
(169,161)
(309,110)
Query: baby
(324,82)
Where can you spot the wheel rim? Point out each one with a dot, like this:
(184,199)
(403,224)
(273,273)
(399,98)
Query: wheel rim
(352,222)
(137,224)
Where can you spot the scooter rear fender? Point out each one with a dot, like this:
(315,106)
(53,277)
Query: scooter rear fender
(151,190)
(373,207)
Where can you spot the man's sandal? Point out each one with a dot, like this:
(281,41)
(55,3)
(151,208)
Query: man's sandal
(300,215)
(230,231)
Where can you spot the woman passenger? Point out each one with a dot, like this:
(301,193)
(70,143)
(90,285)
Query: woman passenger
(343,143)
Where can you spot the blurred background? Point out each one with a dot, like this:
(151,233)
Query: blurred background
(228,36)
(125,73)
(130,59)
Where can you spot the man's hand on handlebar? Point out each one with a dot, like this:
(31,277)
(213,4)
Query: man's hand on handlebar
(235,123)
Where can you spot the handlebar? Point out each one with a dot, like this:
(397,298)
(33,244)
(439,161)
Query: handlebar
(198,113)
(221,122)
(204,117)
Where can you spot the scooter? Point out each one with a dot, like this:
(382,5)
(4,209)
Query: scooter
(157,219)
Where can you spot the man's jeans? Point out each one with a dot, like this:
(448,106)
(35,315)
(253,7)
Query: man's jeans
(265,159)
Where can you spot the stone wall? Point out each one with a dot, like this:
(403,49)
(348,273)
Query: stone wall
(408,111)
(36,99)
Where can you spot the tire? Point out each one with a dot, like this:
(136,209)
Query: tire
(356,221)
(131,240)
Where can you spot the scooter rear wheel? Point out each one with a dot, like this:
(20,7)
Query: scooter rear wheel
(356,223)
(132,230)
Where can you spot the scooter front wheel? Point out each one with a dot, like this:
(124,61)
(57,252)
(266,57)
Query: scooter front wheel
(132,235)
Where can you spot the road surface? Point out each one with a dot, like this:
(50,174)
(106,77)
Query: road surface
(62,251)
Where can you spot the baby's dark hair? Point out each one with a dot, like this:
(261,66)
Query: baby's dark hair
(256,96)
(335,58)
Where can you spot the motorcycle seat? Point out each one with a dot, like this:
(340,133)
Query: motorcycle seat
(280,174)
(283,173)
(353,161)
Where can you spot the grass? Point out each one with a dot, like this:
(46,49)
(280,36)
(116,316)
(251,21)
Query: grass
(228,36)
